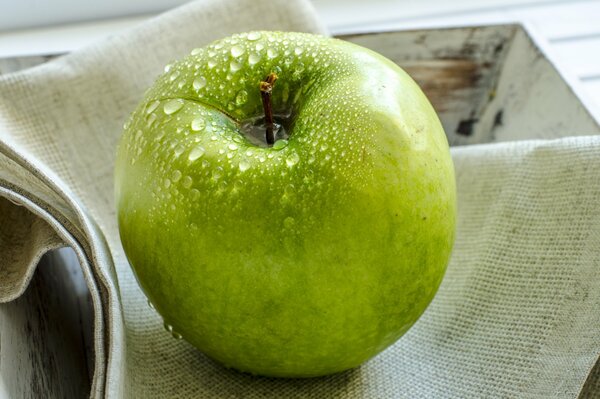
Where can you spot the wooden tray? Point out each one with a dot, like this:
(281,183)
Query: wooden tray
(489,83)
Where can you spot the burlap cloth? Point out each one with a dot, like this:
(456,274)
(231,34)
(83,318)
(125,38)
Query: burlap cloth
(518,313)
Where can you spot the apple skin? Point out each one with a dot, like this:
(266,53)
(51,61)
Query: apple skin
(292,261)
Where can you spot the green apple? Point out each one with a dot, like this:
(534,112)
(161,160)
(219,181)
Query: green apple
(302,258)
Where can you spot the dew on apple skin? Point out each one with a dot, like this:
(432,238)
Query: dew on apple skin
(298,50)
(196,51)
(232,147)
(272,53)
(234,66)
(168,68)
(252,36)
(186,182)
(195,153)
(292,159)
(150,305)
(236,51)
(176,176)
(199,82)
(195,194)
(279,144)
(244,165)
(167,183)
(289,222)
(152,106)
(253,58)
(172,106)
(241,97)
(151,119)
(198,124)
(176,335)
(211,64)
(179,149)
(174,76)
(259,46)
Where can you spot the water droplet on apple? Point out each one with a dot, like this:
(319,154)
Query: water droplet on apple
(327,157)
(151,119)
(217,173)
(272,53)
(196,153)
(244,165)
(168,68)
(241,97)
(167,183)
(292,160)
(298,50)
(253,58)
(254,36)
(234,66)
(186,182)
(150,305)
(198,124)
(176,335)
(174,76)
(175,176)
(262,158)
(232,147)
(213,138)
(152,106)
(179,150)
(196,51)
(289,222)
(259,46)
(199,83)
(168,327)
(195,194)
(236,51)
(211,63)
(279,144)
(172,106)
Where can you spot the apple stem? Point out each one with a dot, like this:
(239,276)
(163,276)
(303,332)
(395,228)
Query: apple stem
(266,87)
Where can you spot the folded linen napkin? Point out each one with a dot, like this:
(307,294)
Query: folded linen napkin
(516,316)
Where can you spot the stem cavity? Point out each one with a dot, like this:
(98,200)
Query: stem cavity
(266,87)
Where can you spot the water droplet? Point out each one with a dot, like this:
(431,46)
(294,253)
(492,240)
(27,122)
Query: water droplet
(279,144)
(253,58)
(289,222)
(254,36)
(176,335)
(198,124)
(150,305)
(172,106)
(186,182)
(259,46)
(152,106)
(249,153)
(174,76)
(196,51)
(213,138)
(195,194)
(217,173)
(196,153)
(138,135)
(151,119)
(179,150)
(232,147)
(211,63)
(168,327)
(292,160)
(298,50)
(167,183)
(241,97)
(236,51)
(199,83)
(234,66)
(262,159)
(244,165)
(168,67)
(175,176)
(327,157)
(272,53)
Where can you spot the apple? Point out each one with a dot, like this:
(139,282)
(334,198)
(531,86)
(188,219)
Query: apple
(286,201)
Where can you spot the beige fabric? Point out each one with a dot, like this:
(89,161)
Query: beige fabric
(516,316)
